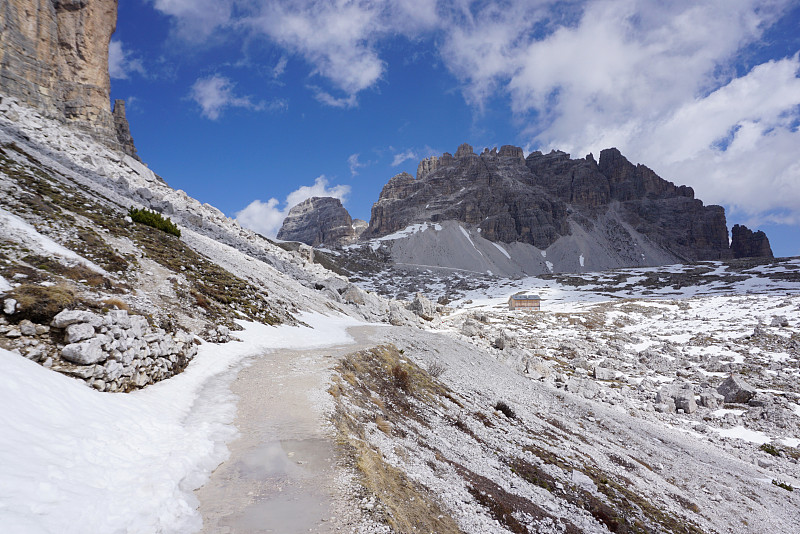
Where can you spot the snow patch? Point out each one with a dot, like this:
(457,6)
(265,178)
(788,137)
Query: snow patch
(501,249)
(17,229)
(74,460)
(740,432)
(4,285)
(581,260)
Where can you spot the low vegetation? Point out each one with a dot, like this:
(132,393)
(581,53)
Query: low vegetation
(783,485)
(41,303)
(154,219)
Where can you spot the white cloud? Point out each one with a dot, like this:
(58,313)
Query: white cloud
(324,97)
(215,93)
(354,164)
(336,38)
(266,218)
(403,156)
(280,67)
(196,19)
(658,80)
(120,63)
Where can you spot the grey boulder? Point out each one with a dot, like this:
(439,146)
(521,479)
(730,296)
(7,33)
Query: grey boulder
(736,390)
(86,352)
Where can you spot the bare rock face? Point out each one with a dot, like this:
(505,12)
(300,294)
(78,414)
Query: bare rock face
(538,199)
(318,220)
(748,244)
(427,166)
(54,57)
(123,129)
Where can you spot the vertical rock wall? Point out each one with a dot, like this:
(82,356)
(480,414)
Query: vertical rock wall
(54,57)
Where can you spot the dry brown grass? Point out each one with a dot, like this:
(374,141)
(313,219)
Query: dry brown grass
(116,303)
(384,425)
(410,509)
(383,392)
(39,303)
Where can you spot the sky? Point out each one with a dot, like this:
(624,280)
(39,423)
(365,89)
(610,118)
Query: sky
(255,105)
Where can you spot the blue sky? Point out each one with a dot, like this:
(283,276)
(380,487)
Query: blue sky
(252,105)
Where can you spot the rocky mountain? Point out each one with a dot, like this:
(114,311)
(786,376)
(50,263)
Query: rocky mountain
(54,57)
(748,244)
(319,220)
(539,199)
(503,214)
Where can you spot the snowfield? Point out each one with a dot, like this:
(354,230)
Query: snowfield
(76,460)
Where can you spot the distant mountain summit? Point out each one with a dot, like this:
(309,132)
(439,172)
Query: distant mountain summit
(547,213)
(320,220)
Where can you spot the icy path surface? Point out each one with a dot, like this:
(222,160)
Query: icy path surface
(73,460)
(281,475)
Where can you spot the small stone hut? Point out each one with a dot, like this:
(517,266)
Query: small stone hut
(524,301)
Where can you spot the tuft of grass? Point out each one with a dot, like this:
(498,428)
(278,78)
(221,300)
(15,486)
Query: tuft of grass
(155,220)
(435,368)
(505,409)
(384,425)
(116,303)
(401,378)
(39,303)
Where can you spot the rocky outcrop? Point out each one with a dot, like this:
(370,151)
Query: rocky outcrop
(318,220)
(748,244)
(538,199)
(54,57)
(427,166)
(123,130)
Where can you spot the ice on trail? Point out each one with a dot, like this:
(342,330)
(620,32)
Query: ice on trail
(73,460)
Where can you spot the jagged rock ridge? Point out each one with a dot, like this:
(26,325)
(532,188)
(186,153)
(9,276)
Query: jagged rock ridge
(54,57)
(748,244)
(538,199)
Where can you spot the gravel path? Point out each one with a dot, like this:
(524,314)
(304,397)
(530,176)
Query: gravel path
(282,474)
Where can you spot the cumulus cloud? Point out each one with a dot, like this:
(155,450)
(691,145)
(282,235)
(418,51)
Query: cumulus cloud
(656,80)
(336,38)
(215,93)
(266,218)
(120,62)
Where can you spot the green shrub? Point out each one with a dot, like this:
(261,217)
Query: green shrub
(154,219)
(783,485)
(505,409)
(770,449)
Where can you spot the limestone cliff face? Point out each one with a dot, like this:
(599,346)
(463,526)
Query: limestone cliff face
(123,130)
(54,57)
(748,244)
(538,199)
(317,221)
